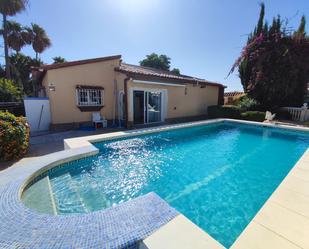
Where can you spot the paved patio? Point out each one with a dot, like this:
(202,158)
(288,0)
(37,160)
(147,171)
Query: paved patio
(49,142)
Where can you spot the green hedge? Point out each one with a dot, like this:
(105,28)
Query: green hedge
(253,116)
(235,112)
(226,111)
(14,136)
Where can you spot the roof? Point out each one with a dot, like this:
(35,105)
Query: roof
(79,62)
(133,70)
(233,94)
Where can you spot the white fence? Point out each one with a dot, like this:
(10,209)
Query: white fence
(298,113)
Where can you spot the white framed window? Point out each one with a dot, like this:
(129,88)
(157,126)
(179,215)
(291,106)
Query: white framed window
(89,96)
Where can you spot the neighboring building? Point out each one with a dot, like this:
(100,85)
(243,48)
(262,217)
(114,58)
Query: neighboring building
(134,94)
(230,98)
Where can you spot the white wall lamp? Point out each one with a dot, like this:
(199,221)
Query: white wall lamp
(51,87)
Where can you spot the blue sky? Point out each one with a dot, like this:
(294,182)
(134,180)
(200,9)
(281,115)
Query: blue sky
(202,37)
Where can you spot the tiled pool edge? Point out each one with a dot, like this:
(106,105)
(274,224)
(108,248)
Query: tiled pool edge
(120,227)
(267,238)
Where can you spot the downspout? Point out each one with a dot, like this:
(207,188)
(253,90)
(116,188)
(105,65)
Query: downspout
(115,101)
(126,101)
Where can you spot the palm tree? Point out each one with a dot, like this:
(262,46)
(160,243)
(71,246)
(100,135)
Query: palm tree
(40,40)
(26,34)
(9,8)
(14,36)
(17,35)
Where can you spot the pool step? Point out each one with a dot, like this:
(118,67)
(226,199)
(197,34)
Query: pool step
(39,197)
(51,195)
(66,195)
(92,197)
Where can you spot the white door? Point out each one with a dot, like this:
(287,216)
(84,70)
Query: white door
(153,107)
(38,113)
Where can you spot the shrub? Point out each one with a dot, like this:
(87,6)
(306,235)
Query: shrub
(282,114)
(9,92)
(235,112)
(253,116)
(224,112)
(247,104)
(14,136)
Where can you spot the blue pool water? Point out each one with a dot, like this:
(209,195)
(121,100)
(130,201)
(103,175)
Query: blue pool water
(217,175)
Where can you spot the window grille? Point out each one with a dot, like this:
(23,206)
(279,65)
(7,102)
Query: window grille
(89,97)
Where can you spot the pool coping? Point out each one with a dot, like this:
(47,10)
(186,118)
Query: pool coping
(78,142)
(13,181)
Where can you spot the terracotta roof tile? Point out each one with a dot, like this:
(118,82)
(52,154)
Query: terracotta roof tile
(233,94)
(79,62)
(134,70)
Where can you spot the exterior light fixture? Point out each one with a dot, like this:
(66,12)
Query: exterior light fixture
(51,88)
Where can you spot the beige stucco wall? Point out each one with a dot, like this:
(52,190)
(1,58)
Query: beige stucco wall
(63,99)
(180,104)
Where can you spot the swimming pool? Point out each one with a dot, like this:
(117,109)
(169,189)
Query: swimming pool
(217,175)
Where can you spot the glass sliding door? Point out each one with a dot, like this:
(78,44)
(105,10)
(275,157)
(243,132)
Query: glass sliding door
(147,106)
(139,107)
(153,107)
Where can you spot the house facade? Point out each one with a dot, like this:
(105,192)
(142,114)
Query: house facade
(122,92)
(231,98)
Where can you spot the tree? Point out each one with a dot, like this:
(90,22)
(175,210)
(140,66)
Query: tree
(260,25)
(21,72)
(59,59)
(17,36)
(161,62)
(9,8)
(2,71)
(301,31)
(274,65)
(9,92)
(175,71)
(14,38)
(40,39)
(156,61)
